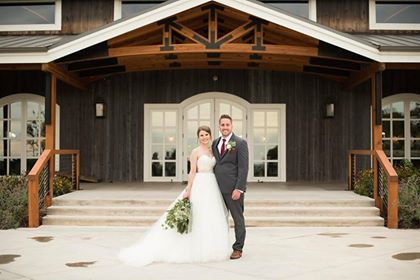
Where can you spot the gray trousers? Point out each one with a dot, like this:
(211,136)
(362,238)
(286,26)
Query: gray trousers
(236,208)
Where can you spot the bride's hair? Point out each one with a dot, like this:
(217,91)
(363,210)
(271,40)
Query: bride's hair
(203,128)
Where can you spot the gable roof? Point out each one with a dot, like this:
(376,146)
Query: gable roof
(360,45)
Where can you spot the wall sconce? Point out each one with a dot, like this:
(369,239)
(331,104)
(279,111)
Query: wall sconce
(100,109)
(329,109)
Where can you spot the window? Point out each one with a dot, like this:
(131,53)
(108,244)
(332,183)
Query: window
(401,128)
(30,15)
(126,8)
(22,132)
(302,8)
(394,15)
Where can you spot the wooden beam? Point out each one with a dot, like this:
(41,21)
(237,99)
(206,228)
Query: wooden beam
(64,76)
(20,67)
(228,48)
(133,35)
(403,66)
(364,75)
(238,32)
(189,33)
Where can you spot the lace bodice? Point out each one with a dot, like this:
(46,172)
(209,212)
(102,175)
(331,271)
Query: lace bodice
(205,163)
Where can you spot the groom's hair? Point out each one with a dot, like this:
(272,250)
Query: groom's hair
(225,116)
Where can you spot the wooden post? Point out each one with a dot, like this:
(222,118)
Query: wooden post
(393,203)
(77,169)
(376,111)
(350,179)
(33,203)
(50,121)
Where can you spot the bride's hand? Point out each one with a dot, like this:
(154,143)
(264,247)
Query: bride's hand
(186,194)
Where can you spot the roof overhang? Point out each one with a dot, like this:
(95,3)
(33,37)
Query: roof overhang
(170,8)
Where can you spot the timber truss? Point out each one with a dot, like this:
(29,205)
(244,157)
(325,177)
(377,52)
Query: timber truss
(218,37)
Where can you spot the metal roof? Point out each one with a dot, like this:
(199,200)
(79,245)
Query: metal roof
(398,42)
(29,43)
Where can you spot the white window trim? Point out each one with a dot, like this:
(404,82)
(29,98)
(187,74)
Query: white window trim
(148,108)
(36,27)
(311,9)
(405,98)
(387,26)
(282,146)
(25,97)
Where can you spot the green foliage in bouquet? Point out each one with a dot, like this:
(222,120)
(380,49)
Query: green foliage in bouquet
(178,217)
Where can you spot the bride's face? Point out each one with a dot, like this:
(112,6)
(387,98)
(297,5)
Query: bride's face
(204,137)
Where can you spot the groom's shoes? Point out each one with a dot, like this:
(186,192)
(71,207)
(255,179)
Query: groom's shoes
(235,255)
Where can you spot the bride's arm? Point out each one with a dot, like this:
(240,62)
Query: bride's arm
(193,171)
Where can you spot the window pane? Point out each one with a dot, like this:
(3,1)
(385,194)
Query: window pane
(157,169)
(14,166)
(224,108)
(398,148)
(43,129)
(272,153)
(32,148)
(157,152)
(299,8)
(236,113)
(398,110)
(259,119)
(26,13)
(129,9)
(157,118)
(170,119)
(386,129)
(170,169)
(32,129)
(415,148)
(398,129)
(1,112)
(33,110)
(415,110)
(16,110)
(205,111)
(170,152)
(259,152)
(272,135)
(395,12)
(15,129)
(2,134)
(386,146)
(415,129)
(272,119)
(416,162)
(42,145)
(15,148)
(205,123)
(30,163)
(272,169)
(3,166)
(2,151)
(192,113)
(259,169)
(259,135)
(386,112)
(157,135)
(170,135)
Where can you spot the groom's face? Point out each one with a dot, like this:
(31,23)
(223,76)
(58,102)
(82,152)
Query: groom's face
(225,127)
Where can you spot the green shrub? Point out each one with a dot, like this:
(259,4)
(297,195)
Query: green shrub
(13,202)
(62,185)
(409,202)
(405,170)
(363,183)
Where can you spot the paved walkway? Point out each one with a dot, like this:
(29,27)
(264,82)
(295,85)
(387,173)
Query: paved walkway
(62,253)
(270,253)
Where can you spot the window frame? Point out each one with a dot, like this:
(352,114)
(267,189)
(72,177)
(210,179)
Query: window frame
(373,25)
(36,27)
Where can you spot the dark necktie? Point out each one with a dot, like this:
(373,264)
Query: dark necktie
(222,150)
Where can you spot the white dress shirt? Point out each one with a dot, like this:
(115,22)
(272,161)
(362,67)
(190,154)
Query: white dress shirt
(219,146)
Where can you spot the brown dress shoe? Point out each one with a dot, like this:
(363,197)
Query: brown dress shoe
(235,255)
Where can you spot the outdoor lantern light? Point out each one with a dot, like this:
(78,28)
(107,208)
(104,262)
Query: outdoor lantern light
(100,109)
(329,109)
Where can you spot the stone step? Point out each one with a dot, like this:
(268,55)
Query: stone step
(249,211)
(362,202)
(250,222)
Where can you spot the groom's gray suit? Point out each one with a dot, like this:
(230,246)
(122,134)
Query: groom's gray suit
(231,172)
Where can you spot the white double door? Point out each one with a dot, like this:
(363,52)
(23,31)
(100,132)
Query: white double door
(207,112)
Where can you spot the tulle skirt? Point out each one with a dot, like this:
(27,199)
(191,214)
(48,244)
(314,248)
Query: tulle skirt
(208,239)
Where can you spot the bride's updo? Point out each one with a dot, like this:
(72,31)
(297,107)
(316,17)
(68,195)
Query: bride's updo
(203,128)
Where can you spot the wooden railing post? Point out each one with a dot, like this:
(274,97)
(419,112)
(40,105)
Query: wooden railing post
(350,179)
(77,169)
(51,180)
(33,202)
(375,183)
(392,203)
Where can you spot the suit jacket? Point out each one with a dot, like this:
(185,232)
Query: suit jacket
(231,169)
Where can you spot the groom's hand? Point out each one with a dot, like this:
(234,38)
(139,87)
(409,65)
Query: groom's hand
(236,194)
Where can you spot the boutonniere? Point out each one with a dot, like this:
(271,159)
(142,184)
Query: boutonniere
(231,146)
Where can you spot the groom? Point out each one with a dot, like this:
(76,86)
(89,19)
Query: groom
(231,170)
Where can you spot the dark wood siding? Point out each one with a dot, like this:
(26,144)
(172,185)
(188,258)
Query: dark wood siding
(401,81)
(350,16)
(112,148)
(79,16)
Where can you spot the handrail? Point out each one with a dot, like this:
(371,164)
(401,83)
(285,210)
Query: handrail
(41,181)
(385,183)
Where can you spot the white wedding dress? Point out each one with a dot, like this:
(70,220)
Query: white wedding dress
(208,239)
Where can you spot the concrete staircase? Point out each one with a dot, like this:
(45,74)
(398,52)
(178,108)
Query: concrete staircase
(258,212)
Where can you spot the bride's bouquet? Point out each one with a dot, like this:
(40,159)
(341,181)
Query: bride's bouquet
(179,216)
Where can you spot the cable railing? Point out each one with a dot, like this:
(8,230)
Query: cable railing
(41,182)
(385,182)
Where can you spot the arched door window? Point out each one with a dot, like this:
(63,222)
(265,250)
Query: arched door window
(22,132)
(401,127)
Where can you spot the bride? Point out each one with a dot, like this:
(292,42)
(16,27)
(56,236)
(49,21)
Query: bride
(208,239)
